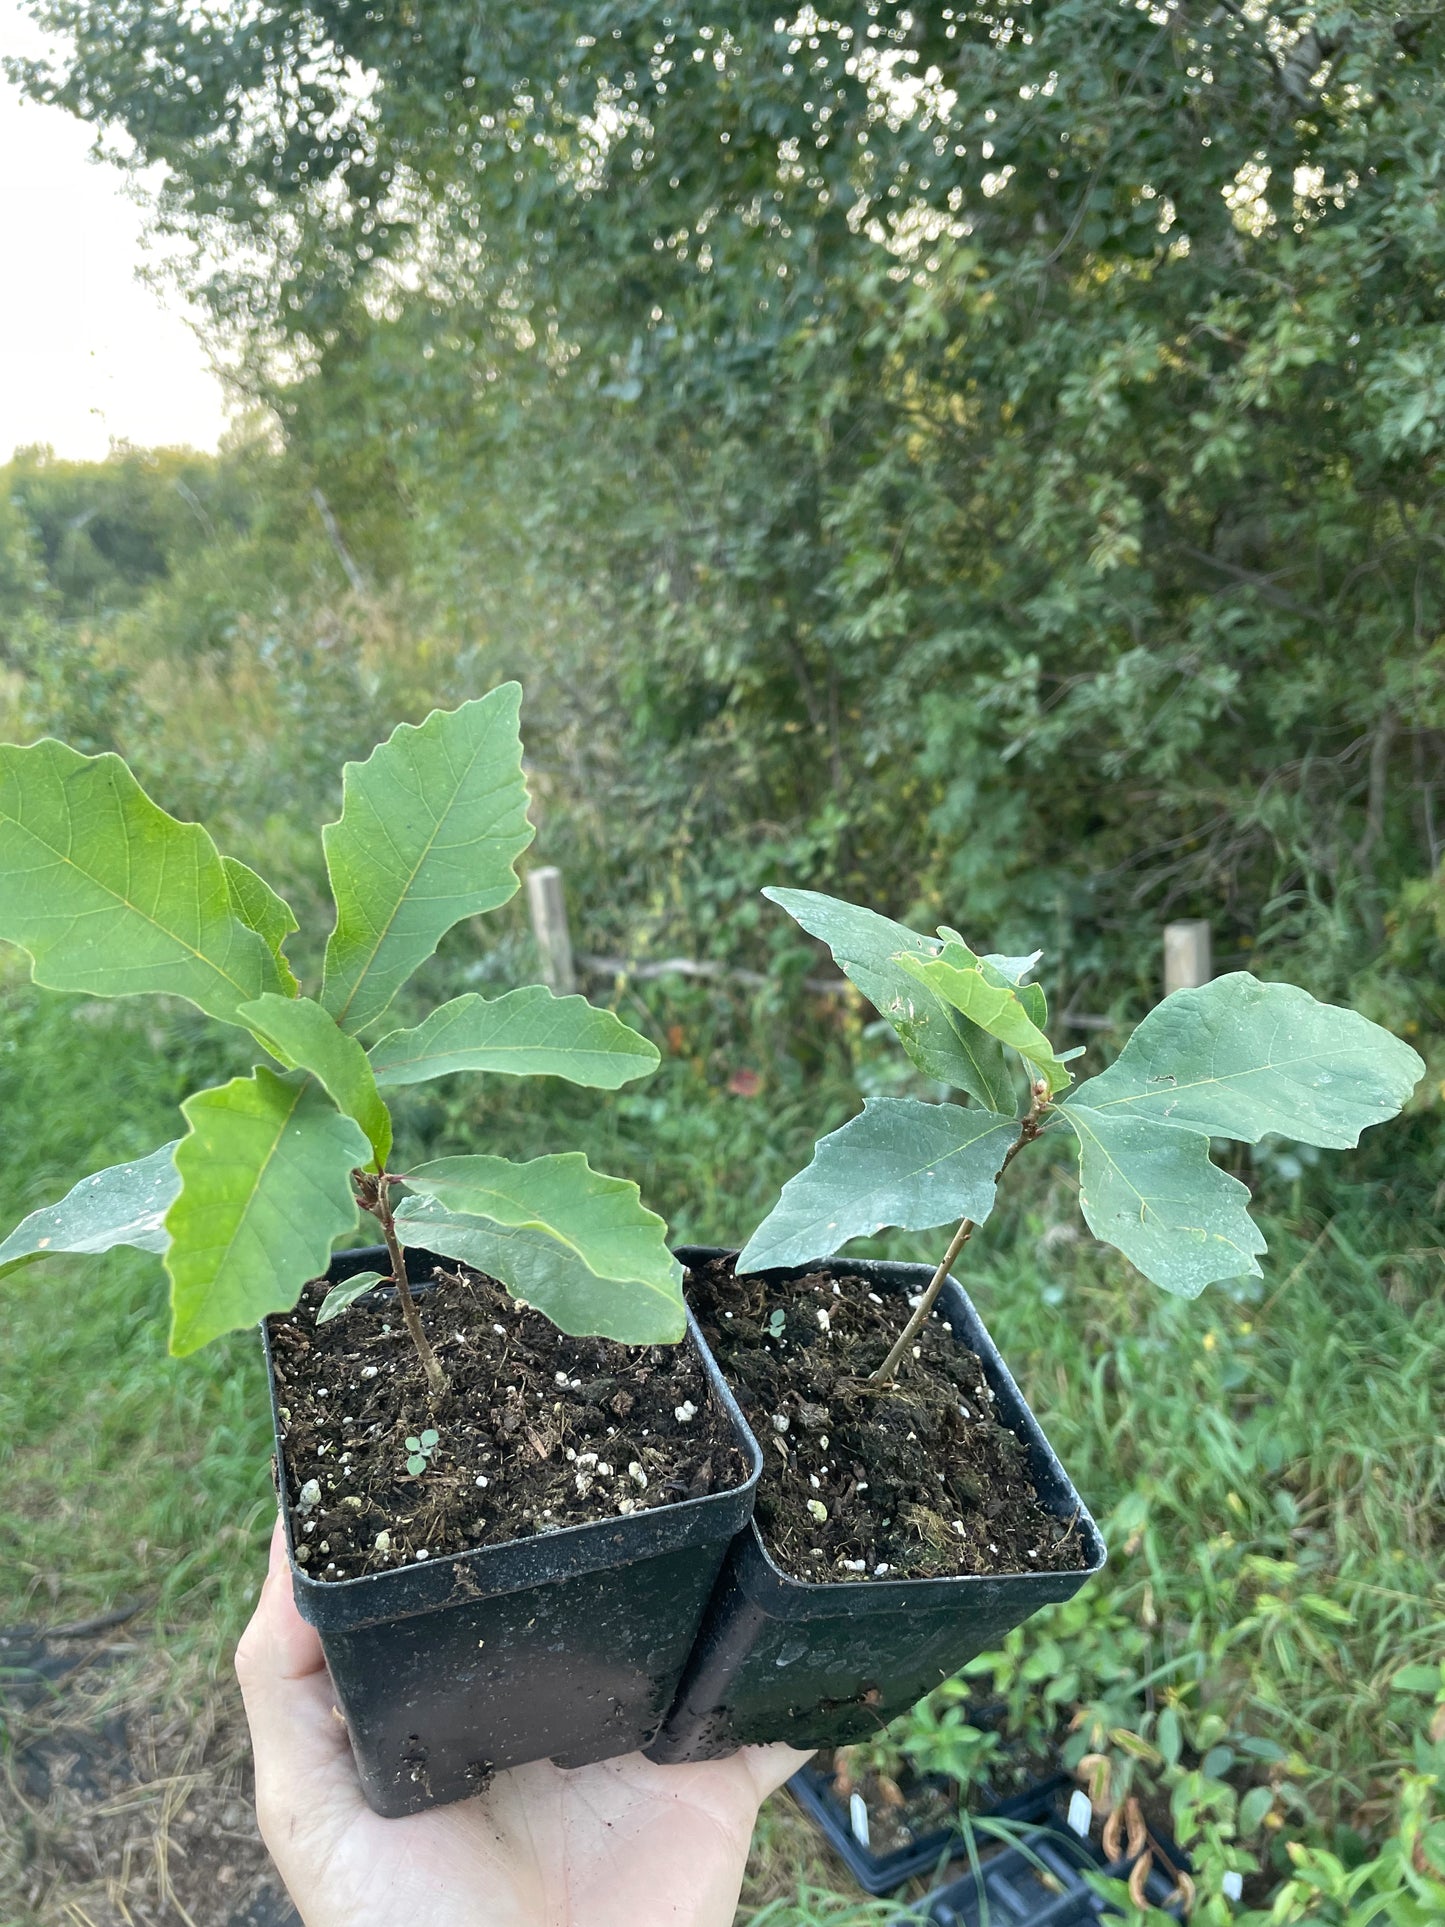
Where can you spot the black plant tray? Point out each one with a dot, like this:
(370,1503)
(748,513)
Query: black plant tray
(884,1873)
(1041,1881)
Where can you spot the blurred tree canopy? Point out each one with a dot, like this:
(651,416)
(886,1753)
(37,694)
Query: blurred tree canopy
(981,458)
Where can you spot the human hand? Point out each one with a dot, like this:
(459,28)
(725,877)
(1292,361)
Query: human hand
(620,1844)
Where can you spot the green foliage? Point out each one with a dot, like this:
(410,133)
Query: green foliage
(899,1162)
(419,1451)
(1108,440)
(270,916)
(526,1033)
(941,1739)
(112,895)
(985,996)
(1154,1194)
(265,1192)
(301,1034)
(125,1205)
(1237,1058)
(940,462)
(431,825)
(1220,1443)
(870,949)
(346,1293)
(1241,1059)
(562,1228)
(97,535)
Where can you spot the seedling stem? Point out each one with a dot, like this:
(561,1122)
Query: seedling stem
(374,1192)
(1029,1128)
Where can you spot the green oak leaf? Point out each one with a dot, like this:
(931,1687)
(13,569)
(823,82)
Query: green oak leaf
(524,1033)
(987,998)
(580,1246)
(304,1037)
(940,1041)
(1239,1058)
(124,1205)
(1014,968)
(536,1268)
(270,916)
(347,1292)
(265,1190)
(112,896)
(901,1162)
(431,825)
(1156,1197)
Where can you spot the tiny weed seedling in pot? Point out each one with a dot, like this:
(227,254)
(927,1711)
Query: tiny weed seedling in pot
(496,1272)
(910,1511)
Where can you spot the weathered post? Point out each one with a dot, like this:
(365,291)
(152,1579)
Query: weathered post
(1188,955)
(548,906)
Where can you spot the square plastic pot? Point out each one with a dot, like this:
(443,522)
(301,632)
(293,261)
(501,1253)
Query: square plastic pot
(565,1646)
(826,1664)
(1041,1880)
(885,1873)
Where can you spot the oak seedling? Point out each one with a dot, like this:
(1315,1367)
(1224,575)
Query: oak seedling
(1235,1059)
(112,897)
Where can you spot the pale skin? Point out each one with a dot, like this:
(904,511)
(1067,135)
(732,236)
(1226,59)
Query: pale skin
(620,1844)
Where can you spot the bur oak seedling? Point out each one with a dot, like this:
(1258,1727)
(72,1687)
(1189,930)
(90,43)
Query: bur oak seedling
(1236,1059)
(112,897)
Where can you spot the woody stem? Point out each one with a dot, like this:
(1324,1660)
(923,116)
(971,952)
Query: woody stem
(436,1378)
(1029,1128)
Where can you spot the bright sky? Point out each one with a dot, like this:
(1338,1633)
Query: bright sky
(88,354)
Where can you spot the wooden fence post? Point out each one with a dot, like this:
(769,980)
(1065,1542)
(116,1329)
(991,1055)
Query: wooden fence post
(549,926)
(1188,958)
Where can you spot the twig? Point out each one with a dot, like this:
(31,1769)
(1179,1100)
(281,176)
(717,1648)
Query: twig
(343,554)
(101,1623)
(700,967)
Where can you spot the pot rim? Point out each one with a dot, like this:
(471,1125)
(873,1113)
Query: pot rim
(569,1550)
(806,1598)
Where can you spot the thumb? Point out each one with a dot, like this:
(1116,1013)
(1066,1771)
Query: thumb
(298,1738)
(770,1766)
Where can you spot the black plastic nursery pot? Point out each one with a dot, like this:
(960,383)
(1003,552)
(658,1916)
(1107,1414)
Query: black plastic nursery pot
(824,1664)
(1041,1879)
(885,1873)
(566,1646)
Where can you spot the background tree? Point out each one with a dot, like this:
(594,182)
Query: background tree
(886,400)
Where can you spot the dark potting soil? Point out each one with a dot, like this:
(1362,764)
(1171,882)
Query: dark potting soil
(913,1480)
(537,1430)
(902,1808)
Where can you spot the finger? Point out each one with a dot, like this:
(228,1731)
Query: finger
(771,1766)
(295,1734)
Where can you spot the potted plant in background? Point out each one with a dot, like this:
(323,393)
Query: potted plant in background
(910,1509)
(508,1470)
